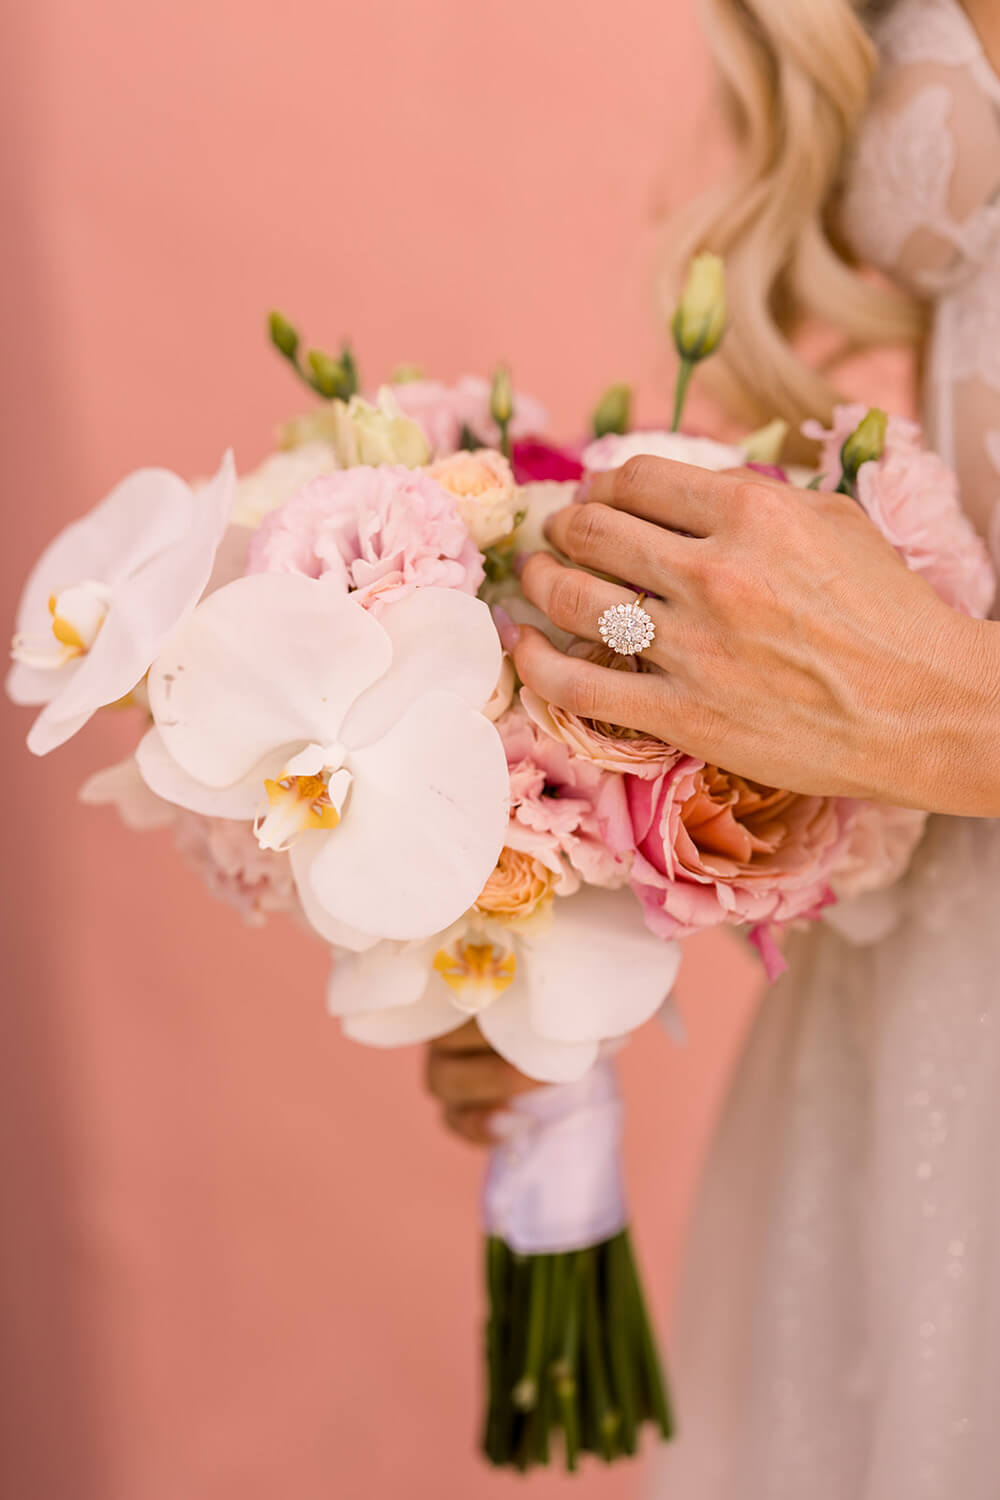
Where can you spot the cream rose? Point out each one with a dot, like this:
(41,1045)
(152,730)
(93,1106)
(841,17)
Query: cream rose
(484,490)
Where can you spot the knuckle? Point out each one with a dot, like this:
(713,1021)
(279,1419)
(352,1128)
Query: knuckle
(567,596)
(635,475)
(587,527)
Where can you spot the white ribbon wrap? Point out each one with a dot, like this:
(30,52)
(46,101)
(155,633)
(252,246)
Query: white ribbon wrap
(556,1184)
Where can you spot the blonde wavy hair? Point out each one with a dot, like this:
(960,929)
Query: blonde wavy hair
(796,77)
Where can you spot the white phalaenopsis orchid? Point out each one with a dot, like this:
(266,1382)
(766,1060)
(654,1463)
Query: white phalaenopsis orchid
(358,744)
(104,596)
(545,993)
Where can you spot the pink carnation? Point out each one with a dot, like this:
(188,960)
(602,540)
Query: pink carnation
(444,410)
(566,812)
(232,864)
(381,532)
(913,499)
(712,848)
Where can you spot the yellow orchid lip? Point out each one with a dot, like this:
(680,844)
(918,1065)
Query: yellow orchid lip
(475,973)
(78,614)
(298,804)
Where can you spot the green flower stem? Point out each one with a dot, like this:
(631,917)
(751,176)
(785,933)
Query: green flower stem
(619,1343)
(650,1356)
(604,1420)
(680,390)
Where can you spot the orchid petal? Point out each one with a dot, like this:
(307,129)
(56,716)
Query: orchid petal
(424,825)
(121,786)
(33,686)
(596,970)
(336,933)
(430,1016)
(441,639)
(168,780)
(386,977)
(509,1028)
(157,577)
(300,655)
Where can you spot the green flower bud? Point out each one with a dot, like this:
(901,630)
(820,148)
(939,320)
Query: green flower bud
(349,365)
(613,412)
(502,397)
(329,376)
(700,319)
(764,446)
(284,337)
(864,445)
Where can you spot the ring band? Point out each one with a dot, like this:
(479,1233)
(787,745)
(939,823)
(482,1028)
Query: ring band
(627,628)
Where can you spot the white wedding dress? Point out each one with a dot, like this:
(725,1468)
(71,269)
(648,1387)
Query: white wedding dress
(839,1327)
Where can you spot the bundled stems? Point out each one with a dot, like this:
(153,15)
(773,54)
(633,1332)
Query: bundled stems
(570,1351)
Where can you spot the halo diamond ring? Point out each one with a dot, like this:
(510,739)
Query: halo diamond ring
(627,628)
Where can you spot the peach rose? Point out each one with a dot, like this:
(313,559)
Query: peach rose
(610,746)
(484,490)
(712,848)
(519,887)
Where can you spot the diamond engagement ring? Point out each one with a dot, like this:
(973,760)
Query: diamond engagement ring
(627,628)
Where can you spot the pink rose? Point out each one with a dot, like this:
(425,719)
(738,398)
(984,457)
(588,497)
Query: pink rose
(625,751)
(443,412)
(232,864)
(380,532)
(566,812)
(712,848)
(536,462)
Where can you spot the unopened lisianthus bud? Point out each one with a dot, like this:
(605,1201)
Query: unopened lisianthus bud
(284,336)
(502,397)
(700,319)
(613,411)
(349,365)
(764,446)
(329,376)
(865,443)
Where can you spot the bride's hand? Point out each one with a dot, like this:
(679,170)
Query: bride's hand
(472,1083)
(795,647)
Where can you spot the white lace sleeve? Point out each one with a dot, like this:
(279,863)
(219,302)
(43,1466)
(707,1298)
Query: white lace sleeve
(922,203)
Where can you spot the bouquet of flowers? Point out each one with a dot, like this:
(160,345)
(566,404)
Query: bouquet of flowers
(328,721)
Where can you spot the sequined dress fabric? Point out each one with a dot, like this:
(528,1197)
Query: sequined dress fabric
(838,1334)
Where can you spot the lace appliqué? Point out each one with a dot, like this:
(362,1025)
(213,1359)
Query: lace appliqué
(900,176)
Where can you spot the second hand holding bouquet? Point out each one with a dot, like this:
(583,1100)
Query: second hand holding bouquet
(331,727)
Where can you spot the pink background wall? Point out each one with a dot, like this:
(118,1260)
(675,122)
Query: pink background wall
(238,1257)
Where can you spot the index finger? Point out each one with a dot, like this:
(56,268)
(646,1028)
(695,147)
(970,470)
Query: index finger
(678,496)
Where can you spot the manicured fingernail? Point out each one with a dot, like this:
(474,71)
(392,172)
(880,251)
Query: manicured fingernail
(508,632)
(505,1125)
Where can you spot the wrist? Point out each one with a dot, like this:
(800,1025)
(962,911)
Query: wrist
(957,744)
